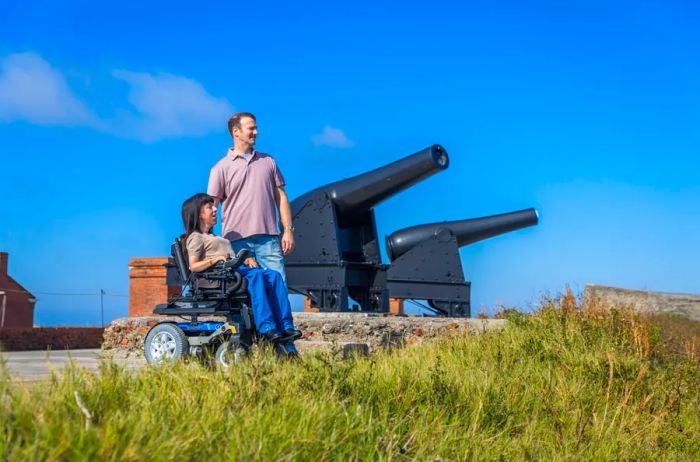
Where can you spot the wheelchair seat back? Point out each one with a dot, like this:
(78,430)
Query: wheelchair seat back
(178,253)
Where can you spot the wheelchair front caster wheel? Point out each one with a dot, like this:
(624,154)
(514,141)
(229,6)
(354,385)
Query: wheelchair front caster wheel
(229,353)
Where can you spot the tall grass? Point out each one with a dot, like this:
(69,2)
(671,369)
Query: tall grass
(565,383)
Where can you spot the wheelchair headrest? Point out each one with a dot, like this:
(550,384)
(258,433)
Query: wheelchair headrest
(178,251)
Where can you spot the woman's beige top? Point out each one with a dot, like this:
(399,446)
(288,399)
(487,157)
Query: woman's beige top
(207,245)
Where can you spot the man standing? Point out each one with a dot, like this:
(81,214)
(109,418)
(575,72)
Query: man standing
(250,188)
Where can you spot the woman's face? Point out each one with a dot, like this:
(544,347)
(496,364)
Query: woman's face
(207,215)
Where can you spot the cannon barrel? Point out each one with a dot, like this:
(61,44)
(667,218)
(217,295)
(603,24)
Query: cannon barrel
(466,231)
(362,192)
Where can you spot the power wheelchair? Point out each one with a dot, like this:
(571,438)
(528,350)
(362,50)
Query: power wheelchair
(219,291)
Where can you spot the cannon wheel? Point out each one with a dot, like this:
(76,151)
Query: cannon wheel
(230,353)
(165,343)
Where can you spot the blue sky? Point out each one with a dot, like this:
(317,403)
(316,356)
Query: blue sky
(589,111)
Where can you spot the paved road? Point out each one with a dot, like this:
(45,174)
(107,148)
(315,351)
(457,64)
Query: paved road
(36,365)
(32,366)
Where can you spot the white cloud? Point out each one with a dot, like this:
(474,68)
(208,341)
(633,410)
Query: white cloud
(32,90)
(162,105)
(169,106)
(333,137)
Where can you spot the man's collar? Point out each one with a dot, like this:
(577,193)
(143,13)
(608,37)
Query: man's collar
(234,155)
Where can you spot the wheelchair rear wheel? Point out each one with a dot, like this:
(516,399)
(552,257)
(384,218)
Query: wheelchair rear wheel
(165,343)
(230,353)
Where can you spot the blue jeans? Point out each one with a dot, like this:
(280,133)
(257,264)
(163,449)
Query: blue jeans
(266,250)
(268,297)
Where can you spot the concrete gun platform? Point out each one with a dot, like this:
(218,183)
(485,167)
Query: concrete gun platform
(124,337)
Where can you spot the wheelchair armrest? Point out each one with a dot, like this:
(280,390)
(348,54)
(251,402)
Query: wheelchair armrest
(214,273)
(222,270)
(236,260)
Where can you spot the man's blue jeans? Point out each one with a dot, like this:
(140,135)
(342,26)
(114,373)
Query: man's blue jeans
(266,250)
(268,297)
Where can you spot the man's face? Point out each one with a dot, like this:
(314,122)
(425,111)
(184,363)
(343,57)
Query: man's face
(247,132)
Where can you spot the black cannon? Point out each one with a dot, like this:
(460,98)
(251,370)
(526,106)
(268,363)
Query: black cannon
(337,252)
(425,261)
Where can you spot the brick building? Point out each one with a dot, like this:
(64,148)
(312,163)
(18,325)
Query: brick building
(16,302)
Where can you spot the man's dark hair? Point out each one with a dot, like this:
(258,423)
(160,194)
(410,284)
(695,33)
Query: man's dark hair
(190,212)
(235,120)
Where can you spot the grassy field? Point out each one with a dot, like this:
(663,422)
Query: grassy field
(564,384)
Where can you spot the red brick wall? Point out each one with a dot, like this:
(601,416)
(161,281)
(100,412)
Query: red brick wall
(148,286)
(56,338)
(395,306)
(307,306)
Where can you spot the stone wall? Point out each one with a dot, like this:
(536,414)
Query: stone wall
(685,305)
(56,338)
(382,331)
(125,336)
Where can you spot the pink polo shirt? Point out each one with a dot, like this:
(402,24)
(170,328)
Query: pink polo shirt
(246,189)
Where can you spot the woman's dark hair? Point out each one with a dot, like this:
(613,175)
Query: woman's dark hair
(190,212)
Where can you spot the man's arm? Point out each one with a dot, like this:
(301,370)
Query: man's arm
(216,186)
(285,210)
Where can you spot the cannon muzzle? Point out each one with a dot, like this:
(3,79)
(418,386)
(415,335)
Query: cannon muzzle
(466,231)
(360,193)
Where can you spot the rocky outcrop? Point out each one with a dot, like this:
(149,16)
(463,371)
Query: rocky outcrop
(685,305)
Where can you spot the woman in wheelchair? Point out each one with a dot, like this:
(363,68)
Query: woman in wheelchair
(268,294)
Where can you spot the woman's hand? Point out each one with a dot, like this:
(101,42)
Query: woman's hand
(197,266)
(250,262)
(219,258)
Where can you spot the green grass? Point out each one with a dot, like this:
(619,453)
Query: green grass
(564,384)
